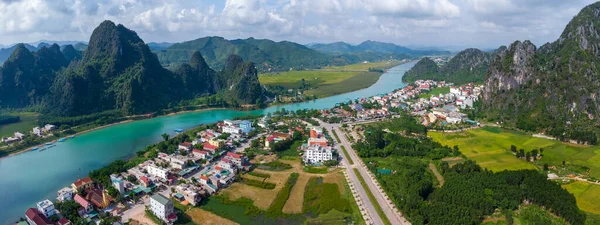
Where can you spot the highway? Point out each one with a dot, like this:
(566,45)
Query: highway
(389,209)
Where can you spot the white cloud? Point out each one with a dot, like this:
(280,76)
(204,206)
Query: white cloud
(414,8)
(487,23)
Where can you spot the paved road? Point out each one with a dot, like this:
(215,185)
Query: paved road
(387,206)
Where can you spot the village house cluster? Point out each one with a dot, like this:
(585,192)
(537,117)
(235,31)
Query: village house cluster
(197,169)
(445,108)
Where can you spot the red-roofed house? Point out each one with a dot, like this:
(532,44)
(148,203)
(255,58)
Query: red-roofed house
(84,203)
(200,153)
(317,141)
(145,181)
(35,217)
(210,148)
(237,159)
(203,179)
(98,198)
(186,146)
(82,183)
(64,221)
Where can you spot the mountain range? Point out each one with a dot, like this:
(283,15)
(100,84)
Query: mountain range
(117,71)
(552,89)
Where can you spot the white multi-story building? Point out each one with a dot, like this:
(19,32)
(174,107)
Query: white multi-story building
(65,194)
(162,207)
(46,207)
(37,131)
(318,154)
(156,171)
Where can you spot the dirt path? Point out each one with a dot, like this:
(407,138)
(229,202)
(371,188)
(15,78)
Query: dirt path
(296,200)
(203,217)
(437,174)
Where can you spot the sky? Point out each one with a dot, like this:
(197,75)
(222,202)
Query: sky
(468,23)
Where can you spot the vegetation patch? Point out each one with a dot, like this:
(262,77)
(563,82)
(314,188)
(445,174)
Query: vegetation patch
(24,124)
(275,166)
(493,151)
(320,197)
(435,92)
(259,184)
(279,202)
(316,169)
(586,194)
(347,155)
(259,174)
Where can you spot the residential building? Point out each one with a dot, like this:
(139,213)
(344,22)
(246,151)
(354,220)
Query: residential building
(35,217)
(237,159)
(49,127)
(317,155)
(87,206)
(145,181)
(82,183)
(46,207)
(162,207)
(210,148)
(201,153)
(245,125)
(37,131)
(65,194)
(19,135)
(98,198)
(316,132)
(156,171)
(185,146)
(232,130)
(190,193)
(118,183)
(64,221)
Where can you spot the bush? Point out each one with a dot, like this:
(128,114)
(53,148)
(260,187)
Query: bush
(257,174)
(259,184)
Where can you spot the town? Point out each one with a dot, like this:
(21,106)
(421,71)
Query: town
(196,164)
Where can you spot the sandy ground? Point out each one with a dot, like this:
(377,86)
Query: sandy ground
(203,217)
(295,202)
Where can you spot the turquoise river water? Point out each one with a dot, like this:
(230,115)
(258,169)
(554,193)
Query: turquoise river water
(30,177)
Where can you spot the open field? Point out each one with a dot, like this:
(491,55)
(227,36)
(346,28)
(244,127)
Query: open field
(328,81)
(435,91)
(262,197)
(200,216)
(330,196)
(491,149)
(28,121)
(587,195)
(314,78)
(359,81)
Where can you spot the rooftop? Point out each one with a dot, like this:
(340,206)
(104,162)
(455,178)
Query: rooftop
(160,198)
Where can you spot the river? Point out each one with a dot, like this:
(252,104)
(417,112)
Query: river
(34,176)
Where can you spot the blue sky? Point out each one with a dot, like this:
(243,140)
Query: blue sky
(466,23)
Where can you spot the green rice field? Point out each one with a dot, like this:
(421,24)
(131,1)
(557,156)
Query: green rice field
(490,148)
(587,195)
(28,121)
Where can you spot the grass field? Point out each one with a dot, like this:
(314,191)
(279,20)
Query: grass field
(328,81)
(359,81)
(587,195)
(314,78)
(491,149)
(28,121)
(435,91)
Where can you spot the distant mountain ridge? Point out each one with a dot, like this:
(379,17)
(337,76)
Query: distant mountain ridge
(372,46)
(266,54)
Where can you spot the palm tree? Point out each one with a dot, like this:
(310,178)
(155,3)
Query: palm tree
(165,136)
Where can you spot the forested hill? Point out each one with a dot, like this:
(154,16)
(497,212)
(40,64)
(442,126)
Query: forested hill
(117,71)
(554,88)
(469,65)
(266,54)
